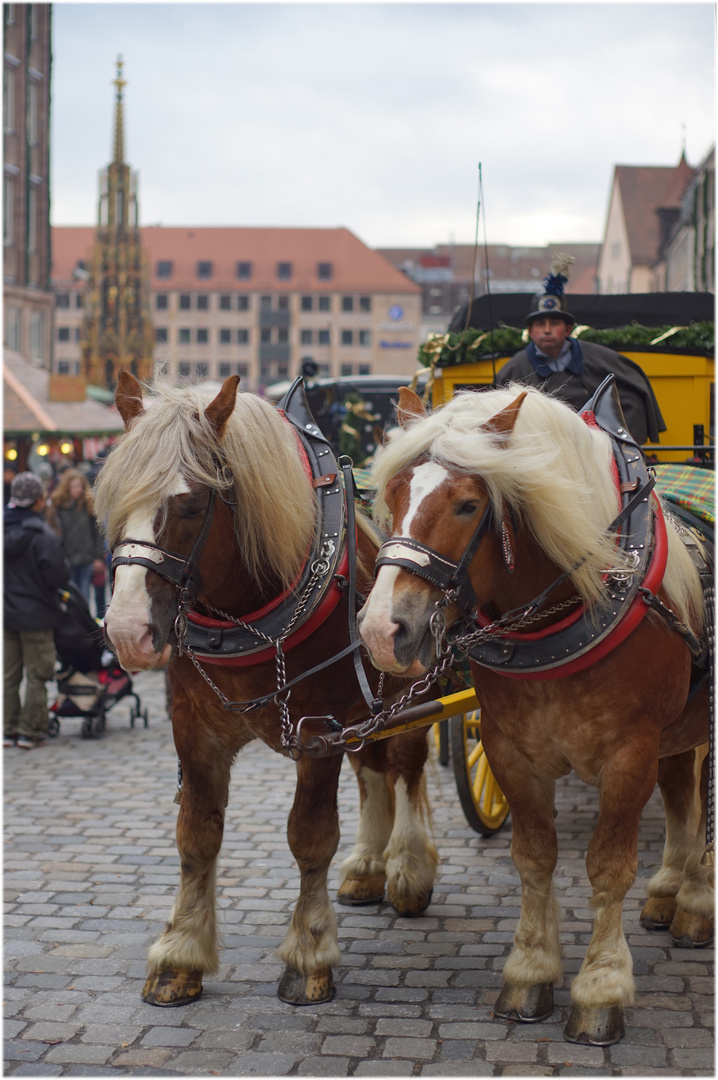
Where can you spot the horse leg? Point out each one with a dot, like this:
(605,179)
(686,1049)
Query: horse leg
(362,875)
(310,948)
(692,925)
(681,869)
(187,946)
(534,963)
(411,858)
(604,984)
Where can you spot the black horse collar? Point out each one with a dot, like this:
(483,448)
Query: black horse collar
(241,641)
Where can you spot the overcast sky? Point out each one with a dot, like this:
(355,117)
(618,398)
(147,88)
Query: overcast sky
(376,116)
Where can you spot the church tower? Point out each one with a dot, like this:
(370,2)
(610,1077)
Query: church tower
(117,330)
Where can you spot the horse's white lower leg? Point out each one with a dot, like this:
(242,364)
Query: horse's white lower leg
(311,940)
(535,957)
(189,940)
(376,815)
(411,858)
(606,975)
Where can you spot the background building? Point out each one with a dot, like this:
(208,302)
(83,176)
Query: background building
(644,207)
(447,272)
(27,298)
(686,260)
(255,302)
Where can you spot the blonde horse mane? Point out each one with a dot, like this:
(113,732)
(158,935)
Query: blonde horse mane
(265,475)
(555,472)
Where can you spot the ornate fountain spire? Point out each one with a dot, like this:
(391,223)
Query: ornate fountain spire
(119,148)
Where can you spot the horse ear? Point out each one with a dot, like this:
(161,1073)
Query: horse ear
(410,406)
(503,422)
(219,411)
(128,397)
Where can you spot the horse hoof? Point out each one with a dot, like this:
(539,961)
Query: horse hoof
(298,989)
(691,931)
(172,987)
(362,890)
(407,906)
(529,1004)
(595,1027)
(658,912)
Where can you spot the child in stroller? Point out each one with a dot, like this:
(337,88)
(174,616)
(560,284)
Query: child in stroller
(89,679)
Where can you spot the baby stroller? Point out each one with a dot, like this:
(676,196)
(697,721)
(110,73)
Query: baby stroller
(89,679)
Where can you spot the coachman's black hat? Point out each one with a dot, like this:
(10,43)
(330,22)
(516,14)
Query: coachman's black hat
(551,303)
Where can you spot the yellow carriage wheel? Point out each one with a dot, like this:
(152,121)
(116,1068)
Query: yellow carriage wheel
(482,800)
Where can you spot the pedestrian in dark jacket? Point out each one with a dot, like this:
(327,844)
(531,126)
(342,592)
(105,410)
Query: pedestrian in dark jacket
(35,567)
(71,516)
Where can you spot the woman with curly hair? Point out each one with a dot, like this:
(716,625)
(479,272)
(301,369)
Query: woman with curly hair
(70,514)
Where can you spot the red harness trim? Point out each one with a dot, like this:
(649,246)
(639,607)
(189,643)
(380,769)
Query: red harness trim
(636,612)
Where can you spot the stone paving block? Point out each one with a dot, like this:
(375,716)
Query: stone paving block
(381,1068)
(459,1068)
(80,1053)
(416,1049)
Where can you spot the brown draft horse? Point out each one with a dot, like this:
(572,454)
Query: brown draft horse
(243,458)
(629,719)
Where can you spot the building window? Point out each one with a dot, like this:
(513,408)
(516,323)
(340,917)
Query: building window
(265,303)
(306,303)
(8,205)
(63,333)
(184,338)
(325,303)
(224,369)
(33,113)
(283,303)
(77,333)
(347,303)
(323,337)
(244,270)
(365,303)
(284,271)
(32,219)
(184,370)
(243,337)
(266,335)
(79,300)
(243,371)
(164,268)
(282,335)
(202,336)
(365,369)
(161,335)
(63,367)
(63,300)
(12,328)
(345,369)
(225,338)
(204,270)
(202,370)
(185,302)
(365,337)
(347,338)
(282,369)
(225,302)
(8,98)
(162,301)
(203,302)
(242,303)
(324,271)
(305,337)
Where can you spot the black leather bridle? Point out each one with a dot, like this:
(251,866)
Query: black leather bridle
(449,576)
(182,571)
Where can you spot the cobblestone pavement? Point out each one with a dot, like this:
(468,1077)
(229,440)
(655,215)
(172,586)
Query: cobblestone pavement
(91,871)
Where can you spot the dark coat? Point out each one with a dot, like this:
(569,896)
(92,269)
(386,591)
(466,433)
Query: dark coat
(80,535)
(640,408)
(35,567)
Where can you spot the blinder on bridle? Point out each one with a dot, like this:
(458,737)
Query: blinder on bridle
(445,574)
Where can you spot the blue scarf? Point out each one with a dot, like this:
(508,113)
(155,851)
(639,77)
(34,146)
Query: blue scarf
(575,364)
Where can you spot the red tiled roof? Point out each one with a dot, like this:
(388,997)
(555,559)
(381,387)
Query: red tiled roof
(644,189)
(355,267)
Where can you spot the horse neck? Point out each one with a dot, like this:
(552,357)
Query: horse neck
(228,585)
(533,573)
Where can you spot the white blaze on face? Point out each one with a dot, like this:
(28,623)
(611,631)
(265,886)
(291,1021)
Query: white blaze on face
(377,626)
(127,620)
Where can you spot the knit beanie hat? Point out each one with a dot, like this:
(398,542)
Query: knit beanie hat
(25,490)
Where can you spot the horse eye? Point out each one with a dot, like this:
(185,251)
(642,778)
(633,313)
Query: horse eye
(466,509)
